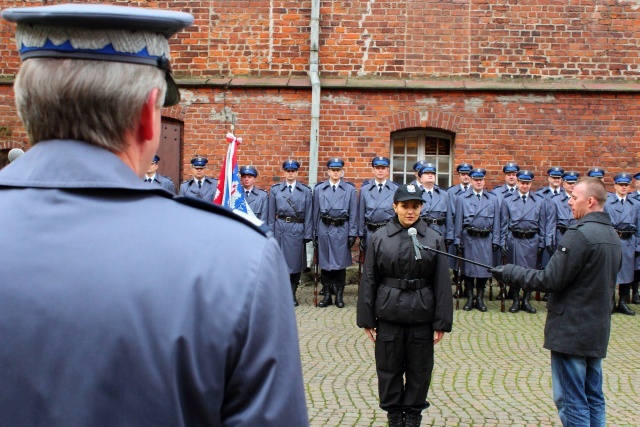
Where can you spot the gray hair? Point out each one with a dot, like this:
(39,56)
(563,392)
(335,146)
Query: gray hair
(92,101)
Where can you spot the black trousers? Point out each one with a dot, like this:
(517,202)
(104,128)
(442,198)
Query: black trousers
(404,363)
(333,277)
(479,281)
(294,278)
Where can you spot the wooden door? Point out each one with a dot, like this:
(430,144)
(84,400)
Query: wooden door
(170,149)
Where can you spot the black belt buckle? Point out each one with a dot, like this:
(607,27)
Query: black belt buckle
(412,284)
(287,219)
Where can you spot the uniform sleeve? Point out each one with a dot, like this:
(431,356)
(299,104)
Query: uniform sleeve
(504,222)
(552,221)
(443,316)
(264,385)
(495,237)
(544,238)
(353,213)
(563,267)
(457,223)
(316,211)
(308,215)
(271,211)
(368,287)
(362,207)
(450,216)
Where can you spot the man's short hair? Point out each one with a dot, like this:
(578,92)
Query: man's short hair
(593,187)
(92,101)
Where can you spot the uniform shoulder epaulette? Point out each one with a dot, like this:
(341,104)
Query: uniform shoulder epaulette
(260,189)
(497,187)
(304,185)
(490,192)
(188,180)
(365,182)
(318,183)
(451,187)
(166,177)
(350,183)
(205,206)
(276,184)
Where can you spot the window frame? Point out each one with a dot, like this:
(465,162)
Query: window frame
(408,174)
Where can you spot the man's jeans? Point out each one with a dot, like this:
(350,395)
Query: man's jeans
(577,390)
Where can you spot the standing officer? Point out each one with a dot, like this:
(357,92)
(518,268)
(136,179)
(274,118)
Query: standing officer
(523,234)
(153,177)
(290,218)
(453,193)
(416,170)
(200,186)
(624,212)
(375,207)
(635,296)
(434,208)
(335,221)
(405,307)
(554,177)
(113,332)
(510,185)
(559,215)
(257,198)
(477,236)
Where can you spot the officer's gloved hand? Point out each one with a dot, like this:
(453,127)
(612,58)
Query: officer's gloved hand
(315,242)
(459,249)
(540,250)
(363,244)
(551,249)
(495,247)
(504,250)
(448,242)
(497,272)
(351,241)
(637,254)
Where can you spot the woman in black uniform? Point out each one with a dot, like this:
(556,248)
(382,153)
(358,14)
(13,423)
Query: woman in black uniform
(405,306)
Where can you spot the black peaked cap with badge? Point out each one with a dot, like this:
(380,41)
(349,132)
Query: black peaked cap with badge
(408,192)
(91,32)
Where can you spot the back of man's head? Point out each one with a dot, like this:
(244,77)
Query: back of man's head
(593,187)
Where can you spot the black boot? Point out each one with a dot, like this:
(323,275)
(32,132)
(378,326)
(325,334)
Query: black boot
(613,303)
(515,307)
(413,420)
(323,291)
(622,305)
(396,419)
(479,300)
(339,302)
(326,301)
(526,306)
(635,296)
(469,305)
(294,288)
(545,297)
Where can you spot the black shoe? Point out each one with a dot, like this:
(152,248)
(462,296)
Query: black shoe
(479,301)
(469,305)
(526,305)
(339,301)
(413,420)
(323,291)
(623,308)
(515,307)
(295,302)
(545,297)
(396,419)
(635,298)
(326,301)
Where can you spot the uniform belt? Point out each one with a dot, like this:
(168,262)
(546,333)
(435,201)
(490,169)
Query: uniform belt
(373,226)
(523,234)
(480,232)
(435,221)
(625,234)
(562,228)
(405,284)
(328,220)
(290,219)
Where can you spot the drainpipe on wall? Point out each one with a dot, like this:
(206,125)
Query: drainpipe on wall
(315,93)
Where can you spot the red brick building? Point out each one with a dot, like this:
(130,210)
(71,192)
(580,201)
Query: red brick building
(537,82)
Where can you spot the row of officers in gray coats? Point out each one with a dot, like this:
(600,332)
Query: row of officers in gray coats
(508,224)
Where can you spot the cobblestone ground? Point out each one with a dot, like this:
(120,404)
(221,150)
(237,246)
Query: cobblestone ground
(490,371)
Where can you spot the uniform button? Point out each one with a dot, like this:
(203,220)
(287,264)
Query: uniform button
(400,300)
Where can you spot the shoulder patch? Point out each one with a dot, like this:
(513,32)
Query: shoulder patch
(563,250)
(166,177)
(351,183)
(276,184)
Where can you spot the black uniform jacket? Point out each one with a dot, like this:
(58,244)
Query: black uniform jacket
(390,254)
(581,275)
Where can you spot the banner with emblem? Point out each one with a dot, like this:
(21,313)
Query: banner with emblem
(229,193)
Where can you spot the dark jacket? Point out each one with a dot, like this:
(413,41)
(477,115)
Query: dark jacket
(581,276)
(390,254)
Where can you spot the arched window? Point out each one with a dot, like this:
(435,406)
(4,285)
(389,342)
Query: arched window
(407,147)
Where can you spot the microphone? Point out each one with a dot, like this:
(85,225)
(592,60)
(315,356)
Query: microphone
(416,246)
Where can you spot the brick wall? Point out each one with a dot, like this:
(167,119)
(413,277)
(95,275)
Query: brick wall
(448,40)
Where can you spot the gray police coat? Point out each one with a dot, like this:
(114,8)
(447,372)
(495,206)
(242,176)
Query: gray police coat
(333,251)
(162,182)
(375,206)
(434,207)
(452,196)
(559,217)
(111,315)
(581,277)
(207,193)
(290,234)
(519,215)
(625,218)
(258,200)
(483,214)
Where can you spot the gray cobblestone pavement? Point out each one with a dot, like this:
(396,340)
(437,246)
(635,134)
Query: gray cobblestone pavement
(490,371)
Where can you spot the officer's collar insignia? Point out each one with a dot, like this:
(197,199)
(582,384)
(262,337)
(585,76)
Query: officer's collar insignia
(411,188)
